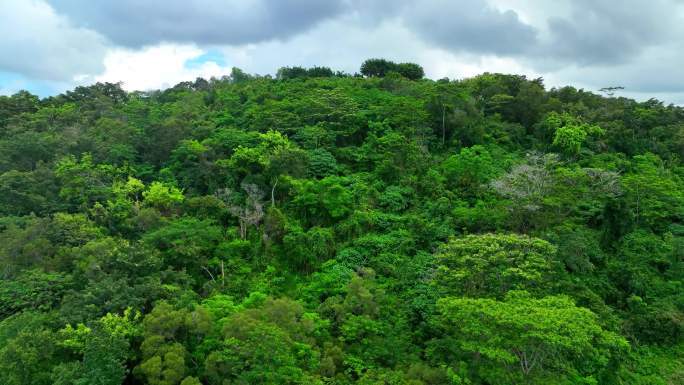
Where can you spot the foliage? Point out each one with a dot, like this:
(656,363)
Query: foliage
(492,264)
(327,228)
(382,67)
(530,340)
(570,132)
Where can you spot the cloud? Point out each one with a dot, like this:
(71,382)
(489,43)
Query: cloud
(157,67)
(135,23)
(39,43)
(470,26)
(157,43)
(341,44)
(354,41)
(547,35)
(606,32)
(653,73)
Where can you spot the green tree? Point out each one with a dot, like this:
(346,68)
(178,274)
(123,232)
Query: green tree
(187,243)
(83,182)
(527,340)
(490,265)
(163,196)
(382,67)
(377,67)
(653,193)
(269,344)
(28,349)
(470,170)
(411,71)
(570,132)
(169,333)
(104,350)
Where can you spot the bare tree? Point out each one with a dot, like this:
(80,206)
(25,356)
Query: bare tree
(249,210)
(527,184)
(604,182)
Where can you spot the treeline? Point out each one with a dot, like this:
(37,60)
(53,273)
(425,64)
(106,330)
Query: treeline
(326,228)
(369,68)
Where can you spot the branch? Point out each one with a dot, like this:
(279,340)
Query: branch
(209,272)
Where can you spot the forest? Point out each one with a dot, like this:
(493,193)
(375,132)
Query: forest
(320,227)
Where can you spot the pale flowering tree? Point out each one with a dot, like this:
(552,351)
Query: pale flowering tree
(543,183)
(249,211)
(527,184)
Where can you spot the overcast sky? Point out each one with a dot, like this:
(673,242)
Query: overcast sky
(49,46)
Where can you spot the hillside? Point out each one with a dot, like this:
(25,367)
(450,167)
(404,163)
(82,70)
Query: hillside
(323,228)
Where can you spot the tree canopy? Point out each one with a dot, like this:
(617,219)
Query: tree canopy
(319,227)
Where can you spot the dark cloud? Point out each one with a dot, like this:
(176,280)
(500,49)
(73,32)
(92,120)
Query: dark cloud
(590,43)
(609,32)
(470,26)
(135,23)
(593,32)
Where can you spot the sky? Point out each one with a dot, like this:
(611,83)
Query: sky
(49,46)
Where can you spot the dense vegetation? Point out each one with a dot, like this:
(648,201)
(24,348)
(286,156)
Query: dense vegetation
(322,228)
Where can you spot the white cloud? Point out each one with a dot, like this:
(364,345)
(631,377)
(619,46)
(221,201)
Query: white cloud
(39,43)
(588,44)
(156,67)
(440,64)
(345,43)
(340,44)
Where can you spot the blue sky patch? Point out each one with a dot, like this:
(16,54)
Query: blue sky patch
(11,82)
(212,55)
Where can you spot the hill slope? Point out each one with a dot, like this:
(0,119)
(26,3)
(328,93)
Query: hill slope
(339,230)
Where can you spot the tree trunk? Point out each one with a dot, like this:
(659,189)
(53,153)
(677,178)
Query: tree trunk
(443,126)
(243,229)
(209,272)
(273,193)
(223,275)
